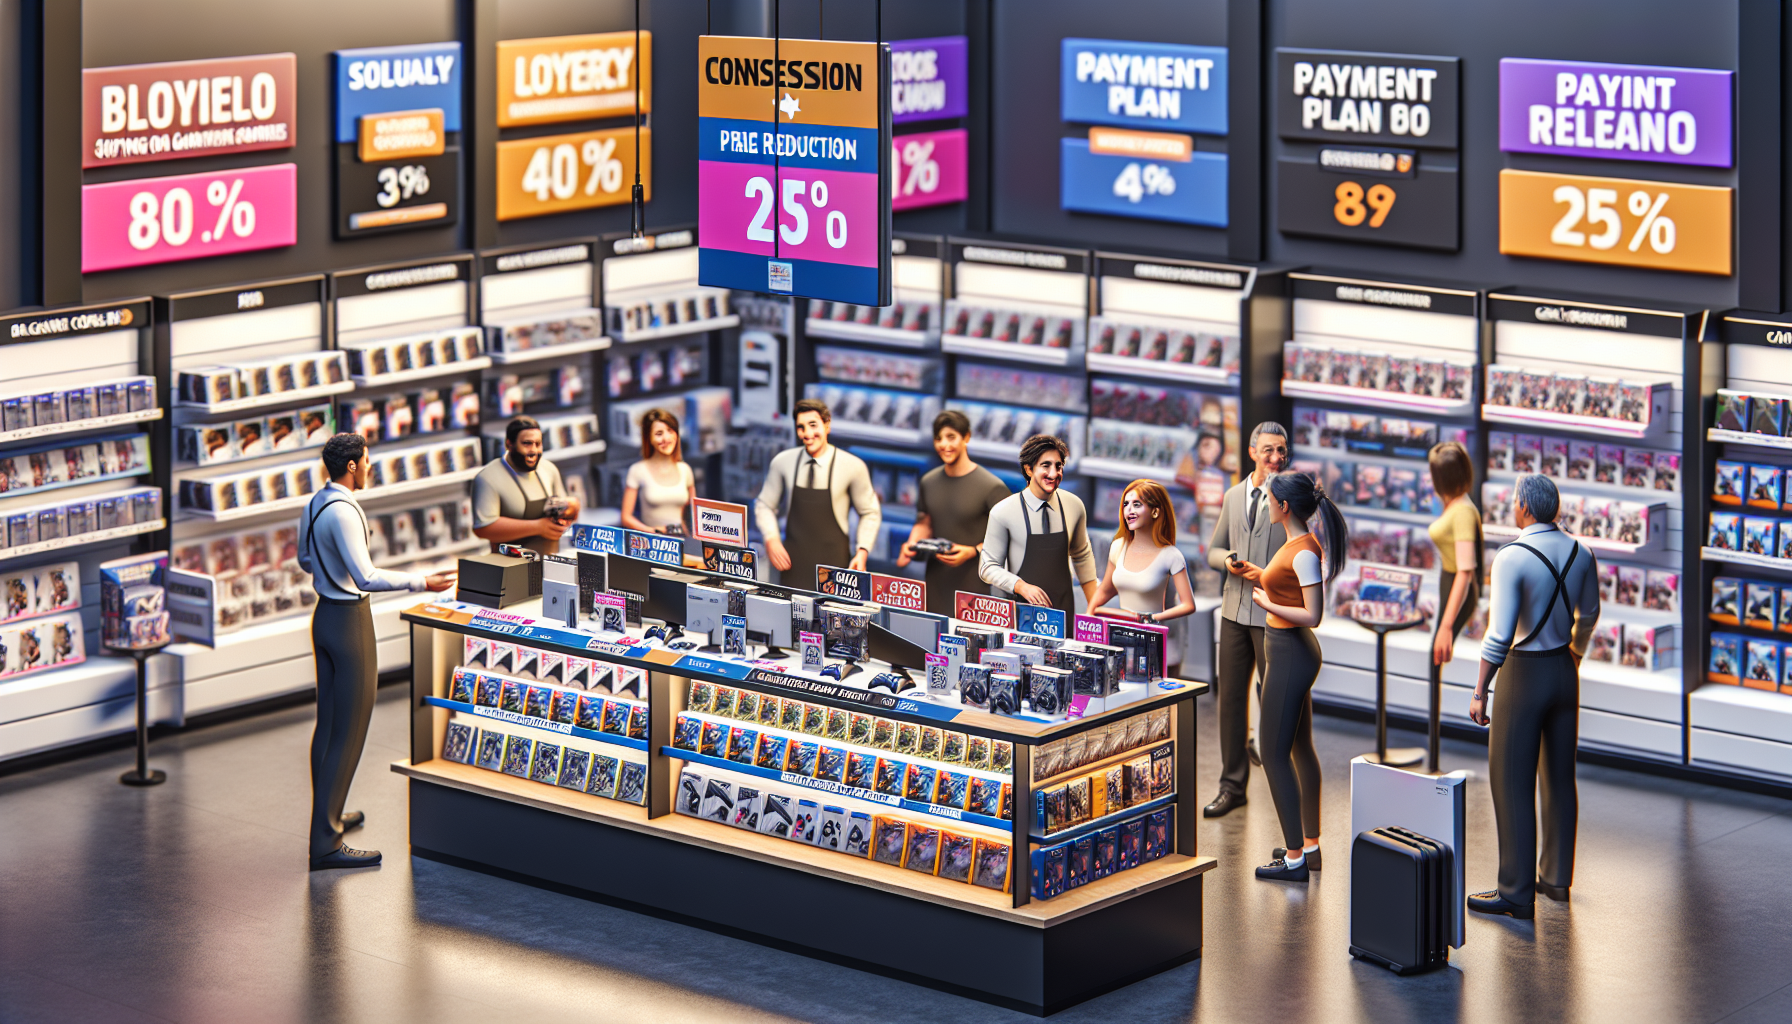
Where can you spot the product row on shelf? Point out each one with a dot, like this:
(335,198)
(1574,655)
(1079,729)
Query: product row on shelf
(214,496)
(565,764)
(88,461)
(26,415)
(1571,459)
(208,444)
(42,526)
(435,353)
(226,386)
(401,415)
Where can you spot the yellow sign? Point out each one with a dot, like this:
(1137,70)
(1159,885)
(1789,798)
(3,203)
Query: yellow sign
(572,78)
(792,81)
(558,173)
(1630,223)
(402,134)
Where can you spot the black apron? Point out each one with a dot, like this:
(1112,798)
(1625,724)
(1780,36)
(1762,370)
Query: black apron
(1047,565)
(812,535)
(533,509)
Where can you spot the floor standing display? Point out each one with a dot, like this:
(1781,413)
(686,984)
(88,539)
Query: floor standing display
(1377,372)
(81,478)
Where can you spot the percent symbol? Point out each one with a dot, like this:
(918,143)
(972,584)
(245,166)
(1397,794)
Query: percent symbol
(923,170)
(236,213)
(606,170)
(1658,229)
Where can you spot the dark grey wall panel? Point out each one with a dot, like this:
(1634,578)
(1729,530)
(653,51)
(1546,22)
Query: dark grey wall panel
(1658,32)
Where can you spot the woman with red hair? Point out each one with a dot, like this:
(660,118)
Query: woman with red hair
(1143,562)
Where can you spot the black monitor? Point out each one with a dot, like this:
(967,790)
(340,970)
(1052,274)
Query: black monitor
(897,650)
(922,629)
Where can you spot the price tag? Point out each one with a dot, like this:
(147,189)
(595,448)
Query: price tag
(581,171)
(188,216)
(1621,221)
(930,169)
(1344,192)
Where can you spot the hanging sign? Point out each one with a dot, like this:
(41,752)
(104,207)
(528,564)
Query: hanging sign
(584,170)
(1657,224)
(793,165)
(188,216)
(1616,111)
(572,78)
(397,123)
(137,113)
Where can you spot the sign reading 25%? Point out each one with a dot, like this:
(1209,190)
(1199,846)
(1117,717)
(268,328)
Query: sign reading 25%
(1627,222)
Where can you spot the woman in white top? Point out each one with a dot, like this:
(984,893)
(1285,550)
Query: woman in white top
(1142,562)
(661,485)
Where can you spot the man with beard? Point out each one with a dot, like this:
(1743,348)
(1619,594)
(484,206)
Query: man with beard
(519,498)
(1243,537)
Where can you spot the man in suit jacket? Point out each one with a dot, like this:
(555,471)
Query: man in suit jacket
(1243,535)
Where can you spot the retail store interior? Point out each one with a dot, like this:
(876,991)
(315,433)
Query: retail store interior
(825,510)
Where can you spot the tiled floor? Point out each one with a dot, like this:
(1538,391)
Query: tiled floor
(190,902)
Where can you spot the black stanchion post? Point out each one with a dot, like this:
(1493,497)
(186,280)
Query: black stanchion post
(143,774)
(1399,757)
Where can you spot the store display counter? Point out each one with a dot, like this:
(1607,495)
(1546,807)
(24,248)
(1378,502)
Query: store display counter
(1007,938)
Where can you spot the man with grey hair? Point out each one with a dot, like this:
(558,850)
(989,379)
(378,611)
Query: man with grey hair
(1243,541)
(1545,588)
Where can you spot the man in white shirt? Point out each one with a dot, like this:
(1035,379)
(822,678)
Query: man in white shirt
(1544,588)
(333,549)
(820,482)
(1039,537)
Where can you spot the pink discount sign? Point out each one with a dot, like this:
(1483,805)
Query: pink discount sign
(930,169)
(188,216)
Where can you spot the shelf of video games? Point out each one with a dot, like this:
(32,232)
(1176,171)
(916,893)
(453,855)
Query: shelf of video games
(1746,725)
(1603,387)
(879,396)
(80,483)
(1378,372)
(835,764)
(664,323)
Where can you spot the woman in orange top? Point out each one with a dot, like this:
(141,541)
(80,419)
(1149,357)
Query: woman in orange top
(1291,589)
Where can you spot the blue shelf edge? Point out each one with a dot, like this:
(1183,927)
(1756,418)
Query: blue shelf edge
(512,718)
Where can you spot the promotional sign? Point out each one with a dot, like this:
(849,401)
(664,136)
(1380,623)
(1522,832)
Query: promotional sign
(1366,98)
(572,78)
(397,124)
(1039,620)
(850,584)
(793,165)
(899,592)
(188,216)
(1102,174)
(1616,111)
(982,610)
(720,522)
(929,79)
(931,169)
(605,540)
(655,547)
(731,561)
(557,173)
(1621,221)
(1155,86)
(136,113)
(1390,196)
(1090,629)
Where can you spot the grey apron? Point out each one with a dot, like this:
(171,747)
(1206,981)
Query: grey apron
(1047,565)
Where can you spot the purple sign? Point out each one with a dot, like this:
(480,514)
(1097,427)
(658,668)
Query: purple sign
(928,79)
(1616,111)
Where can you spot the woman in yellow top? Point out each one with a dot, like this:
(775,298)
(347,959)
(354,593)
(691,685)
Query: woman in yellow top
(1457,535)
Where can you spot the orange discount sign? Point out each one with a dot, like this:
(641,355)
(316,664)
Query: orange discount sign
(1623,221)
(558,173)
(573,78)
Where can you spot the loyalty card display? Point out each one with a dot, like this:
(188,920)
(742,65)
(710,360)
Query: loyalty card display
(1616,111)
(1140,161)
(793,188)
(1371,150)
(397,124)
(187,216)
(573,78)
(1622,221)
(137,113)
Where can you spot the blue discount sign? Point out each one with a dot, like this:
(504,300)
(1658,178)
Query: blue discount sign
(1162,86)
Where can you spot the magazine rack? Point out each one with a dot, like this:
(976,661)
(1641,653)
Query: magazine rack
(1399,757)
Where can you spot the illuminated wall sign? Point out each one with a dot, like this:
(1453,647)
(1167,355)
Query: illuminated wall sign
(557,173)
(188,216)
(572,78)
(143,112)
(793,159)
(1385,169)
(1622,221)
(928,79)
(1616,111)
(1140,161)
(397,122)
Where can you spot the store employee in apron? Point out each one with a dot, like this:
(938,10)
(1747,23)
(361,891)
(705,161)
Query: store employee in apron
(333,549)
(820,482)
(1038,540)
(519,497)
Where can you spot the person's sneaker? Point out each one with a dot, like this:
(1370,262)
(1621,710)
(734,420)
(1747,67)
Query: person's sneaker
(1278,871)
(1312,859)
(346,857)
(1492,902)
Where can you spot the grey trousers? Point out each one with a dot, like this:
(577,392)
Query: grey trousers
(1290,763)
(1530,749)
(1241,653)
(347,676)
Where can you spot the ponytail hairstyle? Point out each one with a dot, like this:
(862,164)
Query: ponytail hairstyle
(1306,499)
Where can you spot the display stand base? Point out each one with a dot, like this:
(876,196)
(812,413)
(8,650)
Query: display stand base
(1396,757)
(155,777)
(1032,967)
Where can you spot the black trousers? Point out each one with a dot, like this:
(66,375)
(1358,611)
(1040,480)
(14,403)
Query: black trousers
(1290,763)
(1241,653)
(1531,748)
(347,677)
